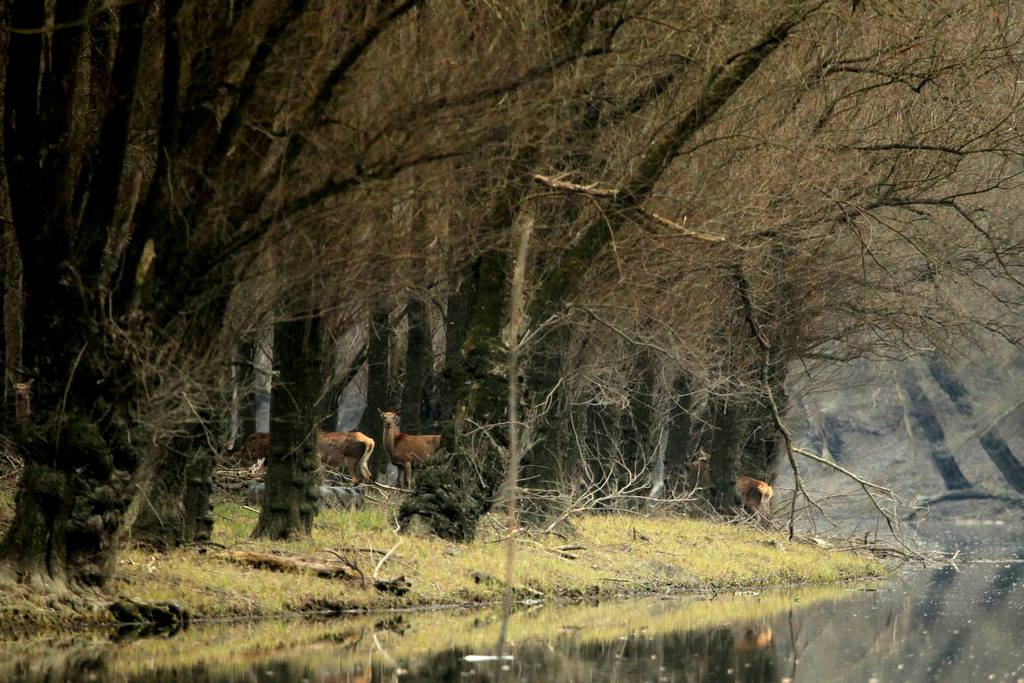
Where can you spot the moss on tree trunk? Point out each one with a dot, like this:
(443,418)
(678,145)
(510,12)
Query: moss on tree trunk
(452,494)
(71,499)
(174,507)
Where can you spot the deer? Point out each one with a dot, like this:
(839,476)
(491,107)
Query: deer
(255,446)
(755,638)
(405,449)
(755,495)
(353,449)
(697,469)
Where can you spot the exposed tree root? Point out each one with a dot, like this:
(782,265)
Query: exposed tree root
(166,616)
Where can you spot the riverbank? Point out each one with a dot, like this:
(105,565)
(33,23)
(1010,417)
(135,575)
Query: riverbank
(381,647)
(356,561)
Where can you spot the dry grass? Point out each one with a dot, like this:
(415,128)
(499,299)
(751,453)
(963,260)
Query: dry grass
(621,555)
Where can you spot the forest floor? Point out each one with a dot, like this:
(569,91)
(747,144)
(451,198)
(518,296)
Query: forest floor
(355,561)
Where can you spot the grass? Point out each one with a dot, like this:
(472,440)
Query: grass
(621,555)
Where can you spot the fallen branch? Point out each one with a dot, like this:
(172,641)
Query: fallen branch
(165,615)
(892,520)
(355,549)
(975,494)
(342,569)
(560,551)
(376,570)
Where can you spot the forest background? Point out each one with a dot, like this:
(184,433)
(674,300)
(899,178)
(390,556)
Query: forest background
(714,205)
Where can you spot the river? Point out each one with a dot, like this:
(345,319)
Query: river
(925,625)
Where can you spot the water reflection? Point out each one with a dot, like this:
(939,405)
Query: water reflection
(940,625)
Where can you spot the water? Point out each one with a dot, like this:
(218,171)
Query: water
(929,625)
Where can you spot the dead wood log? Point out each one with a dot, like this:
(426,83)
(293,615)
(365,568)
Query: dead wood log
(330,569)
(337,569)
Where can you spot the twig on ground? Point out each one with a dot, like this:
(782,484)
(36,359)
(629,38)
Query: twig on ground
(380,563)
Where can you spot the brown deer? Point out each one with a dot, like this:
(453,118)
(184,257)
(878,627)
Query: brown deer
(754,638)
(755,495)
(405,449)
(697,469)
(353,449)
(252,448)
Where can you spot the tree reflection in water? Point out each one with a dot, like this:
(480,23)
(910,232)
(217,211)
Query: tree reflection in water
(936,626)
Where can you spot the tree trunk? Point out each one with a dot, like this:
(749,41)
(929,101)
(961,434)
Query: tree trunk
(636,433)
(245,379)
(419,363)
(160,521)
(679,447)
(175,498)
(332,400)
(292,487)
(657,436)
(77,442)
(6,394)
(743,440)
(725,445)
(461,298)
(198,504)
(547,464)
(78,457)
(449,498)
(13,376)
(761,450)
(378,351)
(174,507)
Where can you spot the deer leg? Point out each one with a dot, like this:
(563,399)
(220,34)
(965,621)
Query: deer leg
(364,470)
(408,475)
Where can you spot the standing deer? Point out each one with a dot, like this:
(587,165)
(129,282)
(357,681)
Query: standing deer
(755,495)
(405,449)
(353,449)
(697,469)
